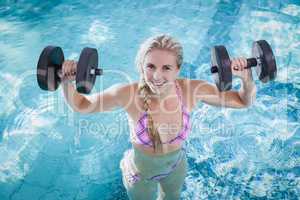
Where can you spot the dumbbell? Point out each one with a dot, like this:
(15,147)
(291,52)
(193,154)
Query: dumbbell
(262,58)
(50,65)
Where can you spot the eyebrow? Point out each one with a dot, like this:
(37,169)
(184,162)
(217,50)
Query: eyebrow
(163,65)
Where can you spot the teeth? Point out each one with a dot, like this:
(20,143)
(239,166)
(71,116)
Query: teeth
(159,84)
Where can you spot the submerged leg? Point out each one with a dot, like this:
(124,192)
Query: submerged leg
(141,189)
(170,187)
(137,187)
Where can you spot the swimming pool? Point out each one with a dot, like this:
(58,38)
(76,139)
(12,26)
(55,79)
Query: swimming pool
(49,152)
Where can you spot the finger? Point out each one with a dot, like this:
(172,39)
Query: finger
(238,64)
(241,66)
(66,67)
(69,68)
(245,62)
(73,76)
(73,69)
(69,77)
(233,64)
(74,66)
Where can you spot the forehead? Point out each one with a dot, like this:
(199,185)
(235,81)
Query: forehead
(160,57)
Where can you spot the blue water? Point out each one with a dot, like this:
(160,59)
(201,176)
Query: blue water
(49,152)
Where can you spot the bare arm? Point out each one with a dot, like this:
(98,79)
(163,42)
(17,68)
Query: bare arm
(72,97)
(209,93)
(109,99)
(248,91)
(113,97)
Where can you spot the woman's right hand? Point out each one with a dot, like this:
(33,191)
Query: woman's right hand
(68,72)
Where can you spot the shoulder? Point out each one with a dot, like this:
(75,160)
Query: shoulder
(192,89)
(198,85)
(182,82)
(127,88)
(126,93)
(188,85)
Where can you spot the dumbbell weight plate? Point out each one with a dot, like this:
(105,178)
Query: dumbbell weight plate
(88,61)
(50,61)
(221,60)
(266,69)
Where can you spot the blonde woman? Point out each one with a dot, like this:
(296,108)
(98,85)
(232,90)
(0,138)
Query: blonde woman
(158,108)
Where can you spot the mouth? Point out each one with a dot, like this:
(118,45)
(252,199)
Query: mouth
(159,84)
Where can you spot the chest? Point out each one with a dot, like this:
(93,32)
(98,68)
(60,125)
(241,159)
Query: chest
(168,125)
(167,119)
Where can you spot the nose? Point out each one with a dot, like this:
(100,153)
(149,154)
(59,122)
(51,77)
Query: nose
(157,75)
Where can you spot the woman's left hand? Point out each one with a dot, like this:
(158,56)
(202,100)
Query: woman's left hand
(238,68)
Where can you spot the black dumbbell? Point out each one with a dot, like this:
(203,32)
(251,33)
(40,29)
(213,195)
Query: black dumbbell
(50,65)
(262,58)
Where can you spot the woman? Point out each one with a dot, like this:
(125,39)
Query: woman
(158,108)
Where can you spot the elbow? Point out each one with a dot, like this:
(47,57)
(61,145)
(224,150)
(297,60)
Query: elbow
(250,102)
(253,97)
(246,105)
(84,107)
(81,111)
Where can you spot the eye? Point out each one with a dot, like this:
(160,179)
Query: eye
(166,67)
(150,66)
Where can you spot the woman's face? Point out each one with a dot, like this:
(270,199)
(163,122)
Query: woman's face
(160,70)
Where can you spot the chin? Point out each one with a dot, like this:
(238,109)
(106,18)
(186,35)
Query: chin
(158,90)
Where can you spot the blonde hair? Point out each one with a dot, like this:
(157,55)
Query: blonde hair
(163,42)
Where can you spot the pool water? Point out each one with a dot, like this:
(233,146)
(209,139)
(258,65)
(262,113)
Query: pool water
(47,151)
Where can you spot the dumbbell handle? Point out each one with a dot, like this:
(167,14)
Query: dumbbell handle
(251,62)
(94,71)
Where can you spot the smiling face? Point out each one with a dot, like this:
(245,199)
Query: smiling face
(160,70)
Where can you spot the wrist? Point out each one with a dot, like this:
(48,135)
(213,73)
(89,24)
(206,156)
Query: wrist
(248,84)
(66,82)
(248,79)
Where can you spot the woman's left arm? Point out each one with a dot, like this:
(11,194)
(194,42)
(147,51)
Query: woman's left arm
(209,93)
(247,91)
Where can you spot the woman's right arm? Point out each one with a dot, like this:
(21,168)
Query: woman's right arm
(112,97)
(115,96)
(72,97)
